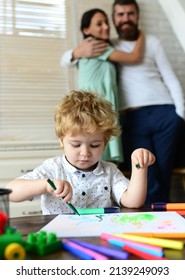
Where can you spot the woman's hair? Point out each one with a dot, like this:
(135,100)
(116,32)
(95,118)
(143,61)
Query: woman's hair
(87,17)
(87,113)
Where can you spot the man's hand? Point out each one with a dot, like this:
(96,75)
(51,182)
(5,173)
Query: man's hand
(90,47)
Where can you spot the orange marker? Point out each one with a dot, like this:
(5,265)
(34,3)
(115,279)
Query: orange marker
(167,206)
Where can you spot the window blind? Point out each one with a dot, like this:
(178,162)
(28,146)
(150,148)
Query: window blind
(32,39)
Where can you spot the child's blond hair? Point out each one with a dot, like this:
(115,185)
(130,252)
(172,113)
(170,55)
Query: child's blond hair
(87,113)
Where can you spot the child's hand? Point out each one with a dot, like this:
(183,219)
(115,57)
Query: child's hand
(63,189)
(142,158)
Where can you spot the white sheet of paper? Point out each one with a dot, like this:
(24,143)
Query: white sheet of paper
(94,225)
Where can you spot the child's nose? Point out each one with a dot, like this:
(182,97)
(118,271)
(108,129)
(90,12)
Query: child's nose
(85,151)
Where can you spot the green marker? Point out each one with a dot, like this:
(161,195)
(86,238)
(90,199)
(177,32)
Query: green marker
(69,204)
(89,211)
(52,184)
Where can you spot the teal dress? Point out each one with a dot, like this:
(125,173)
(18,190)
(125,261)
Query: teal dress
(99,75)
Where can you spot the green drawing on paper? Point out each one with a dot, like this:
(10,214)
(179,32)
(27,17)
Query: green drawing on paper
(136,220)
(100,217)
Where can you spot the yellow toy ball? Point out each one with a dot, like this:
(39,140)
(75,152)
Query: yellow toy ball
(14,251)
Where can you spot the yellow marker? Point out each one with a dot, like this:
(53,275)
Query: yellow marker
(165,243)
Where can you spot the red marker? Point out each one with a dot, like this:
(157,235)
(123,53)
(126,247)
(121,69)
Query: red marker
(141,254)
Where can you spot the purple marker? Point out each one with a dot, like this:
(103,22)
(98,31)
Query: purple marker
(76,252)
(120,255)
(78,247)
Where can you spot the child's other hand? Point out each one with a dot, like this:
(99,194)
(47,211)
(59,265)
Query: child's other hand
(63,189)
(142,157)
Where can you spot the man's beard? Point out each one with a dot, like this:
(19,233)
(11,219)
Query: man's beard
(130,34)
